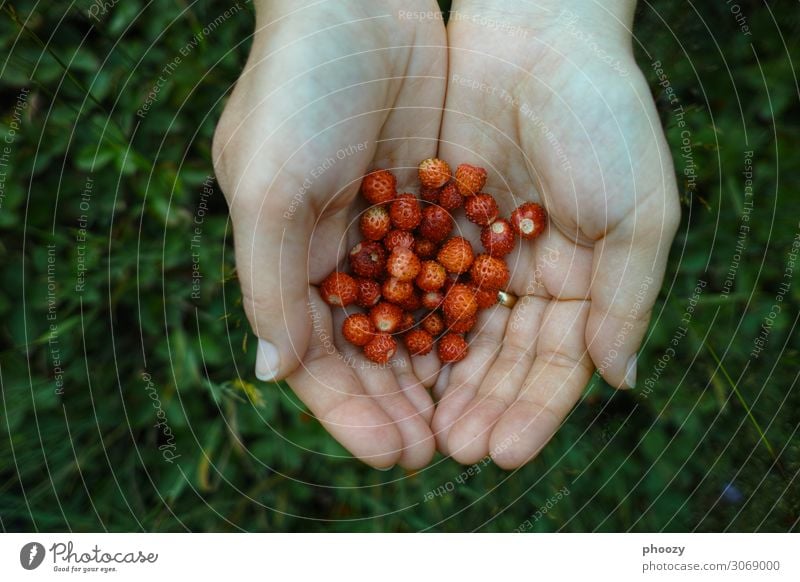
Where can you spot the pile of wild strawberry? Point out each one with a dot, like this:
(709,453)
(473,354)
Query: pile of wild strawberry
(410,263)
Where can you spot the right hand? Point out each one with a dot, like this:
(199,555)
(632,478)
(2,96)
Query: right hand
(361,86)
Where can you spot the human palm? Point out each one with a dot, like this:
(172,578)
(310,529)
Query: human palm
(289,152)
(554,125)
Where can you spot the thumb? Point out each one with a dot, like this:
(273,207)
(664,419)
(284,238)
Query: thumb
(628,269)
(271,244)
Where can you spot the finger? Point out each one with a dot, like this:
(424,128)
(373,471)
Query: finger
(559,373)
(628,268)
(334,394)
(407,378)
(427,368)
(468,441)
(467,375)
(380,383)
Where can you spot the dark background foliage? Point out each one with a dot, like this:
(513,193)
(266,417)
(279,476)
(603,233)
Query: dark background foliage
(91,189)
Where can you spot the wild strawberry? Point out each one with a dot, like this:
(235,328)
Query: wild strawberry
(369,293)
(432,299)
(424,248)
(529,220)
(379,187)
(429,194)
(449,197)
(386,317)
(368,259)
(489,272)
(358,329)
(381,348)
(412,302)
(407,322)
(436,224)
(451,348)
(418,342)
(460,302)
(375,223)
(396,291)
(481,209)
(485,296)
(433,323)
(434,173)
(403,264)
(405,212)
(398,238)
(339,289)
(460,325)
(431,276)
(470,179)
(456,255)
(498,238)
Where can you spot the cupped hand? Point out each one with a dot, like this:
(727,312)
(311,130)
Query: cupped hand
(329,92)
(558,113)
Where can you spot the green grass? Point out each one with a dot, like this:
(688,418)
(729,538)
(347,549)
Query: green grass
(708,442)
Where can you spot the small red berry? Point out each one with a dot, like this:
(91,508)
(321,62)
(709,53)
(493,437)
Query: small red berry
(405,212)
(431,276)
(396,291)
(429,194)
(339,289)
(369,293)
(381,348)
(436,224)
(449,197)
(485,296)
(386,317)
(498,238)
(460,302)
(424,248)
(434,173)
(460,325)
(358,329)
(398,238)
(379,187)
(368,259)
(529,220)
(452,348)
(489,272)
(403,264)
(433,323)
(456,255)
(419,342)
(432,299)
(412,302)
(375,223)
(481,209)
(470,179)
(407,322)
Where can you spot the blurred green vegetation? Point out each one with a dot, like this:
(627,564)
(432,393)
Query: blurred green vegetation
(94,193)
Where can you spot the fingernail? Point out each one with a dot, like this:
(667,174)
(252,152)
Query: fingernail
(268,361)
(385,468)
(630,372)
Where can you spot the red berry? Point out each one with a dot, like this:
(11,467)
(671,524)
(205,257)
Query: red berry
(449,197)
(419,342)
(434,173)
(381,348)
(481,209)
(398,238)
(407,322)
(396,291)
(452,348)
(460,325)
(375,223)
(424,248)
(470,179)
(456,255)
(369,293)
(379,187)
(405,212)
(431,276)
(489,272)
(386,317)
(368,259)
(432,299)
(529,220)
(358,329)
(485,296)
(429,194)
(339,289)
(436,224)
(460,302)
(411,303)
(498,238)
(451,280)
(403,264)
(433,324)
